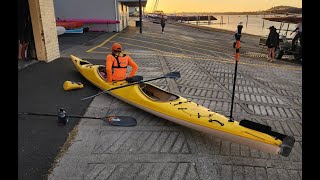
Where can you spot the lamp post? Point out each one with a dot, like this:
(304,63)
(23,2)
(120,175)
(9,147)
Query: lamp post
(140,14)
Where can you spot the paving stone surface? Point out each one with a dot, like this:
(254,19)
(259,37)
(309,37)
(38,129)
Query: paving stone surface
(268,93)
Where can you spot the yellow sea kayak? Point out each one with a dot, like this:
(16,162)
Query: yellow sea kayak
(177,109)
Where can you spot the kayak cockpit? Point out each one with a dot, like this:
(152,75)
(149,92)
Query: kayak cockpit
(102,72)
(157,94)
(148,90)
(83,62)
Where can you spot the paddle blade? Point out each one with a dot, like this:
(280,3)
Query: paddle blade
(121,120)
(174,75)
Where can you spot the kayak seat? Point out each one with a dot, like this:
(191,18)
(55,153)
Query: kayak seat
(102,72)
(156,93)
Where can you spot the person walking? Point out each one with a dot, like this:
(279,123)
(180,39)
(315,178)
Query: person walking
(272,43)
(117,63)
(163,23)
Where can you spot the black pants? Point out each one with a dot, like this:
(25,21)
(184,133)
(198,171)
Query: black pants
(162,27)
(296,37)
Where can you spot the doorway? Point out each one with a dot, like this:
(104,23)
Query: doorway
(26,43)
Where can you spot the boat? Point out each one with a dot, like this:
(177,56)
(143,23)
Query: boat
(284,19)
(60,30)
(74,31)
(191,18)
(90,21)
(69,25)
(180,110)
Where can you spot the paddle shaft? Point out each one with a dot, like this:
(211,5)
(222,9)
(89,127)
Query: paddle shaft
(139,82)
(130,84)
(238,36)
(55,115)
(125,121)
(169,75)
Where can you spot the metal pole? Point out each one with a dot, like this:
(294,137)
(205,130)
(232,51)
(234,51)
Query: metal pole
(116,10)
(287,29)
(140,14)
(238,36)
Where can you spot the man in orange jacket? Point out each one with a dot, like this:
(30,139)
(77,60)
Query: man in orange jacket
(116,64)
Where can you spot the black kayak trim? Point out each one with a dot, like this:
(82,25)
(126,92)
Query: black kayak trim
(287,141)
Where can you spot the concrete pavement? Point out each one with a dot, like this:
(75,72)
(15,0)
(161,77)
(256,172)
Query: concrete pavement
(40,90)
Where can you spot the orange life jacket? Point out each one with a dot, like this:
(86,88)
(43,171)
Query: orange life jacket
(116,67)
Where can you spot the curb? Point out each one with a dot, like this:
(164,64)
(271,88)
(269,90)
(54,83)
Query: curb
(26,64)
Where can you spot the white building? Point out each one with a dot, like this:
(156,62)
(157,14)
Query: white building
(97,9)
(43,14)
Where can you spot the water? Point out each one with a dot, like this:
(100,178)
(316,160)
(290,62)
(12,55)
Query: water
(254,24)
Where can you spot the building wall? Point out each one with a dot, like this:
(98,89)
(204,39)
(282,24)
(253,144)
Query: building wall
(100,9)
(121,18)
(123,15)
(96,9)
(127,17)
(44,29)
(49,26)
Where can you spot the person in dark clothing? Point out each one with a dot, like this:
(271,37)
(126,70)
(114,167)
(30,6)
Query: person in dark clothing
(297,36)
(272,43)
(163,23)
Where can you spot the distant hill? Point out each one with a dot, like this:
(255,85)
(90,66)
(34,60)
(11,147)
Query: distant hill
(285,9)
(273,10)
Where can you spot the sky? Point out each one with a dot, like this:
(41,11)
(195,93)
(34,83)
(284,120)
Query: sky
(171,6)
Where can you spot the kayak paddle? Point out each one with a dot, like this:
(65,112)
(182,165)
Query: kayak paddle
(173,75)
(112,120)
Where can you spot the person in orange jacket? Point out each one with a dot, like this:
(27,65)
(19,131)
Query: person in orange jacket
(117,63)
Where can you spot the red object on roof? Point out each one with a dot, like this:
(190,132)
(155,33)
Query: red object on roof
(69,25)
(90,21)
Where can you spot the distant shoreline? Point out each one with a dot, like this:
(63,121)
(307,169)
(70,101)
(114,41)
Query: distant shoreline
(271,11)
(211,29)
(228,13)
